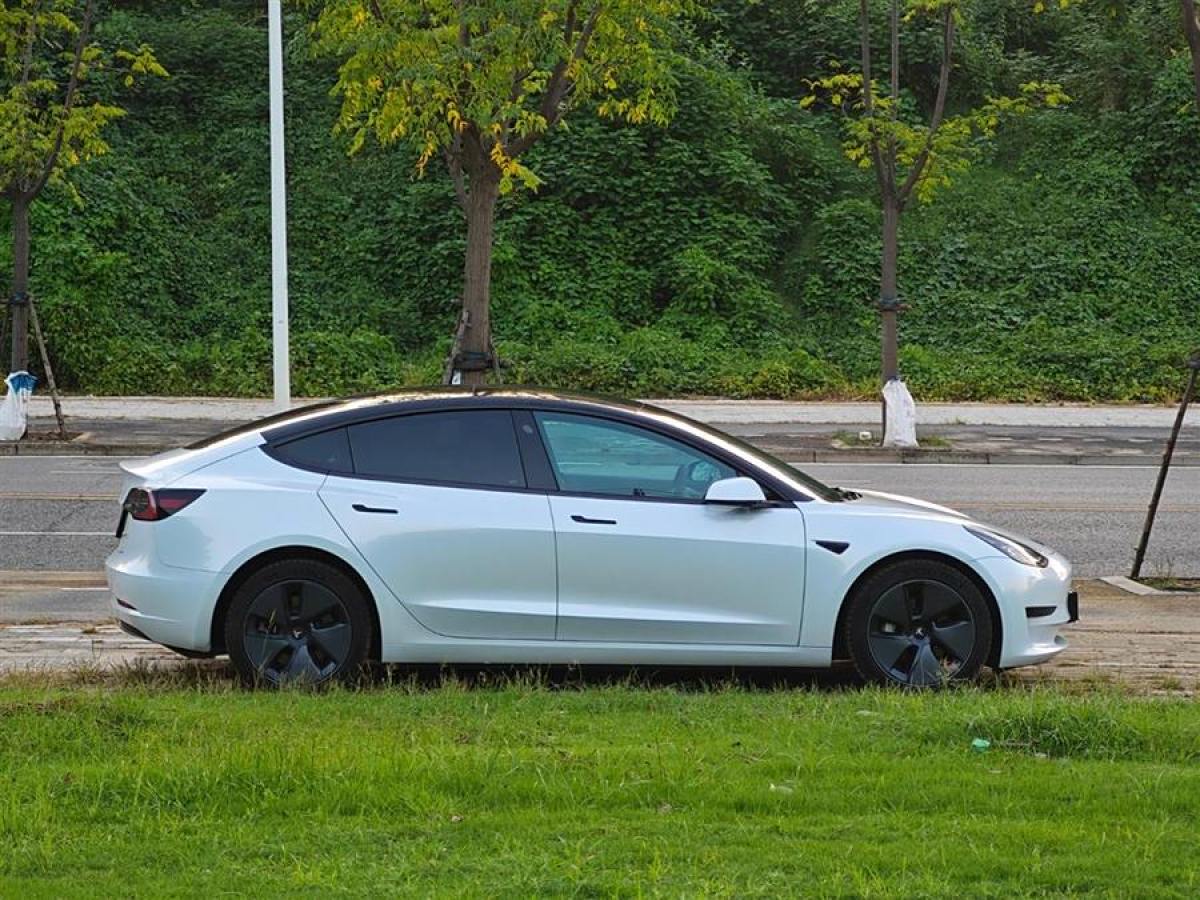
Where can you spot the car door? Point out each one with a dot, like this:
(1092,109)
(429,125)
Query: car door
(642,558)
(438,506)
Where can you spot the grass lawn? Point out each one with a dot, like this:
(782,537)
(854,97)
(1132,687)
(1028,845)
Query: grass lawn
(519,789)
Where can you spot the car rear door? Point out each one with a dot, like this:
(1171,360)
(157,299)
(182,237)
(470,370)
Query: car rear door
(641,557)
(439,508)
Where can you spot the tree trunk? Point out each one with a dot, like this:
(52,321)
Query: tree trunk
(480,210)
(888,297)
(20,283)
(888,302)
(1191,29)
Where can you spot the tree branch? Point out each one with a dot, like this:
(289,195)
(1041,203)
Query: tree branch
(518,80)
(939,110)
(453,157)
(894,93)
(27,61)
(68,100)
(558,85)
(864,26)
(569,21)
(464,29)
(376,11)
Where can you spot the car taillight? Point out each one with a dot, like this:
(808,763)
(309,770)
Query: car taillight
(151,506)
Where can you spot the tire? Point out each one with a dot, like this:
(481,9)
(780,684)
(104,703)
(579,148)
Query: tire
(918,623)
(298,621)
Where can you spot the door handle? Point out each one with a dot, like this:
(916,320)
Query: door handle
(584,520)
(359,507)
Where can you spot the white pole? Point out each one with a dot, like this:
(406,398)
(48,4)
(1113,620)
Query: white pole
(279,262)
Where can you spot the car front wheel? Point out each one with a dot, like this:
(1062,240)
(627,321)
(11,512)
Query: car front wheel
(298,621)
(918,623)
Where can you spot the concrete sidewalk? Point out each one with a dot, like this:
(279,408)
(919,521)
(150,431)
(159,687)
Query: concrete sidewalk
(797,431)
(716,411)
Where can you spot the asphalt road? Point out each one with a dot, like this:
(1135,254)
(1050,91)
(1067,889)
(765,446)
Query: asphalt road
(57,515)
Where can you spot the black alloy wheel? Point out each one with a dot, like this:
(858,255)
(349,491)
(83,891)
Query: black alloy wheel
(301,622)
(919,623)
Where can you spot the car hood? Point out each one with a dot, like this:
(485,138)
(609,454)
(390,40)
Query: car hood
(877,501)
(899,503)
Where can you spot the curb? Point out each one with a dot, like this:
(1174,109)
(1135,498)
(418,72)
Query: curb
(864,454)
(71,448)
(1129,586)
(966,457)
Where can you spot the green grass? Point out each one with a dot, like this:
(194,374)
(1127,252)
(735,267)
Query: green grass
(520,788)
(852,439)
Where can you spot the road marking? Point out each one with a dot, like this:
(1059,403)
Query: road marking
(56,534)
(87,470)
(81,498)
(63,579)
(94,458)
(1080,467)
(1037,507)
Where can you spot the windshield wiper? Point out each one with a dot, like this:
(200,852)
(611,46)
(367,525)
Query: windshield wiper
(846,495)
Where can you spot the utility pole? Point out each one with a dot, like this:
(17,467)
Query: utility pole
(281,366)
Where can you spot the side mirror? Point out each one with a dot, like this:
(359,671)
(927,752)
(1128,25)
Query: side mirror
(735,492)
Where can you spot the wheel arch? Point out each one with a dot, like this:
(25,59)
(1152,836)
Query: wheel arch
(276,554)
(841,651)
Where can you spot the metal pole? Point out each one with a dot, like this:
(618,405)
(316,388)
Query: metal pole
(1152,512)
(281,369)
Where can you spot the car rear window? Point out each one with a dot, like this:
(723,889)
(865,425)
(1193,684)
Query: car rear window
(467,447)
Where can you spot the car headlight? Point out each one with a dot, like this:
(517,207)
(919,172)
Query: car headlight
(1012,549)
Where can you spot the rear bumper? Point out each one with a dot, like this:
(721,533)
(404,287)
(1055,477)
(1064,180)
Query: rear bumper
(161,603)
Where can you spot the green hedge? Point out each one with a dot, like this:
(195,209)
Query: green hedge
(734,252)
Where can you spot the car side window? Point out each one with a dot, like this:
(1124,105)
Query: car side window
(463,447)
(326,451)
(599,456)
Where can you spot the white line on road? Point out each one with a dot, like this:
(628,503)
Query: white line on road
(56,534)
(984,466)
(74,498)
(93,460)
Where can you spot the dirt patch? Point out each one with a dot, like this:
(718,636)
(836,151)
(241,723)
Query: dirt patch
(1147,644)
(1189,585)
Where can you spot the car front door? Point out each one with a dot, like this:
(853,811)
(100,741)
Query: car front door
(642,558)
(438,506)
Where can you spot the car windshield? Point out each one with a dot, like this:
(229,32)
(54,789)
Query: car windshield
(801,481)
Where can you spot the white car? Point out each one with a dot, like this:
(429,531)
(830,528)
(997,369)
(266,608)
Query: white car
(521,526)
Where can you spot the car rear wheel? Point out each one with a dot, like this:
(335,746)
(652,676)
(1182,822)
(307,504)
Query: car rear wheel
(298,621)
(918,623)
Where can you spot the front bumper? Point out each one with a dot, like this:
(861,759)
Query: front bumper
(1034,604)
(164,604)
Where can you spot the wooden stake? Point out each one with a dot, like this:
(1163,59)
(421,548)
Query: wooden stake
(1139,555)
(464,320)
(41,340)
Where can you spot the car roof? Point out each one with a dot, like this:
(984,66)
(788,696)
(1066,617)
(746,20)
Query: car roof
(323,414)
(329,414)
